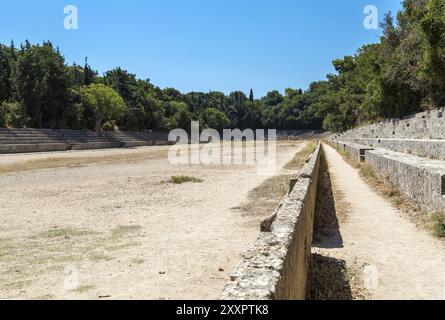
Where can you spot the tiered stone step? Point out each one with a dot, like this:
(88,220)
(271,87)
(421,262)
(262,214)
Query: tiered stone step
(86,140)
(427,148)
(132,139)
(29,140)
(42,140)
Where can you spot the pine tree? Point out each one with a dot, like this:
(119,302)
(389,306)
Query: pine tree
(42,84)
(88,74)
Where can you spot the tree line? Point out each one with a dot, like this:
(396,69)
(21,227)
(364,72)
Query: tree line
(38,89)
(401,74)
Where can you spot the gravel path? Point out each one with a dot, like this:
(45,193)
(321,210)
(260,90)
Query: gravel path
(410,263)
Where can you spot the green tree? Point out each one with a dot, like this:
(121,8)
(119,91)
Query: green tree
(182,117)
(7,66)
(42,84)
(105,103)
(89,75)
(272,98)
(11,114)
(251,97)
(215,119)
(433,26)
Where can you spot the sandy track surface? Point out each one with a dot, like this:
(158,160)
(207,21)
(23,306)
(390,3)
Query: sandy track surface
(110,222)
(410,263)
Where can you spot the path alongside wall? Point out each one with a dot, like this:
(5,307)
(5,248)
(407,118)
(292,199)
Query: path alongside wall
(375,239)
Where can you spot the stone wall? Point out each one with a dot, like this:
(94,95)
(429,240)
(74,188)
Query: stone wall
(354,151)
(419,179)
(421,134)
(425,125)
(30,148)
(406,153)
(426,148)
(276,266)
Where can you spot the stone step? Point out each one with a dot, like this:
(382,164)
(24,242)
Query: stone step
(94,145)
(355,151)
(427,148)
(421,180)
(30,148)
(24,139)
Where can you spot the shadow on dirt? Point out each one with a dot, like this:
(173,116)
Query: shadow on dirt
(328,277)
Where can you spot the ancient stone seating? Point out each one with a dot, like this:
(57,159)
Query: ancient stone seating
(44,140)
(408,153)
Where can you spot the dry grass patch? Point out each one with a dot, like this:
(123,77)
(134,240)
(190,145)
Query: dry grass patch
(50,251)
(264,199)
(438,224)
(366,171)
(185,179)
(44,297)
(301,157)
(65,233)
(98,257)
(84,288)
(122,231)
(138,261)
(328,279)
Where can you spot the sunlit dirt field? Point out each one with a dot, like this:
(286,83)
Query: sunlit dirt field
(109,224)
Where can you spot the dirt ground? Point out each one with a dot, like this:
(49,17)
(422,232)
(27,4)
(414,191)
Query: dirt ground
(108,224)
(378,243)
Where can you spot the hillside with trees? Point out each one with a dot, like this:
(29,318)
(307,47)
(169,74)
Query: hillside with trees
(402,74)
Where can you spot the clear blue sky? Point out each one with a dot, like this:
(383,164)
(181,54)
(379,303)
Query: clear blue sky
(202,45)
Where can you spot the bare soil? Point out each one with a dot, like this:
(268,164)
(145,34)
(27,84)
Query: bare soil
(111,220)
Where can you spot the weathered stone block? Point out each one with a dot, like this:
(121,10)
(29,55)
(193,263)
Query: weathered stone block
(421,180)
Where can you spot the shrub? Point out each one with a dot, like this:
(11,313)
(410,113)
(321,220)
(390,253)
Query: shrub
(185,179)
(438,224)
(367,171)
(108,126)
(11,114)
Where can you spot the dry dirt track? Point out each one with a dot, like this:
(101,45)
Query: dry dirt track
(410,262)
(112,221)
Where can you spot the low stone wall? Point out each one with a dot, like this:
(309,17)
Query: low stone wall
(419,179)
(422,180)
(434,149)
(425,125)
(134,144)
(94,145)
(276,267)
(164,143)
(355,151)
(30,148)
(422,134)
